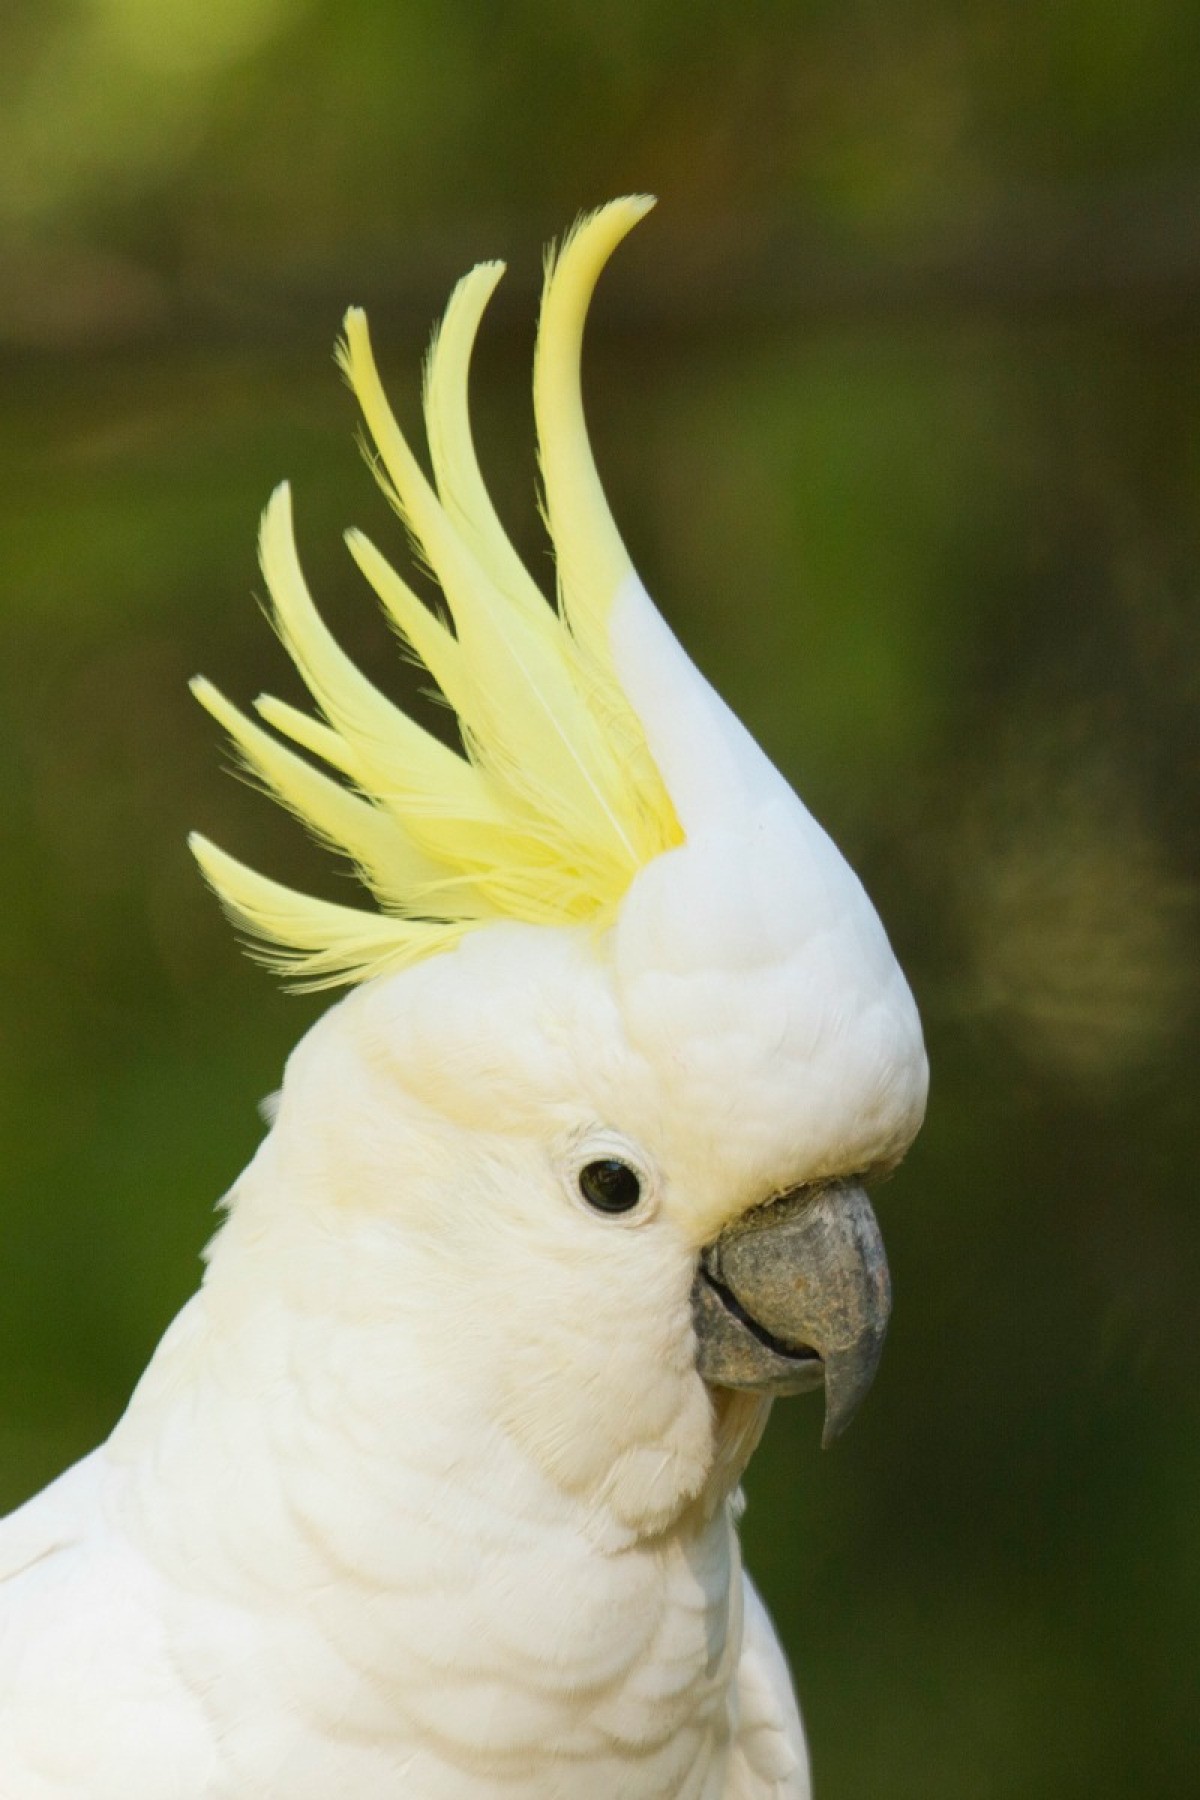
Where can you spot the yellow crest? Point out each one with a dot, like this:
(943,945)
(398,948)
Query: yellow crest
(556,802)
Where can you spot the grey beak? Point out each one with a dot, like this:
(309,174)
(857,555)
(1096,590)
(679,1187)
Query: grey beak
(794,1293)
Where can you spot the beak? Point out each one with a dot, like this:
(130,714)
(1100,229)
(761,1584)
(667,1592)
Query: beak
(793,1294)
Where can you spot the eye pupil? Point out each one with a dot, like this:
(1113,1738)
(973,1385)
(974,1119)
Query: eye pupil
(609,1185)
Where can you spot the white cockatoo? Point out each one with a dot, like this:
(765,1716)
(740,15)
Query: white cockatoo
(432,1489)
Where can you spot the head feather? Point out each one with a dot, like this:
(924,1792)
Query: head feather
(556,802)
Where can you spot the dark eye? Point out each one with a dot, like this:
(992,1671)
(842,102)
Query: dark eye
(610,1186)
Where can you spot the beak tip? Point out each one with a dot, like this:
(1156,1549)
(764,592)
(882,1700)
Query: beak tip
(848,1380)
(834,1426)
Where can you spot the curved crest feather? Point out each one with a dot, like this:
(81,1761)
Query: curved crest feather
(555,802)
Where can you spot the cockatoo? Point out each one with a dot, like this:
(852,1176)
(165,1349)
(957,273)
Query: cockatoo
(432,1489)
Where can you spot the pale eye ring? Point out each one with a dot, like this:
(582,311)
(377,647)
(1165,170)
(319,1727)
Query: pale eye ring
(609,1185)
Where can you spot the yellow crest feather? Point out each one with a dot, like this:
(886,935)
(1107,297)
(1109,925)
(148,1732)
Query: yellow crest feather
(556,803)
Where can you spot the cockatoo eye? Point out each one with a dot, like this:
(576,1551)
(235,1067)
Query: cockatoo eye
(610,1185)
(612,1177)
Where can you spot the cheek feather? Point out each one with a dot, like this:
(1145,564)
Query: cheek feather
(597,1384)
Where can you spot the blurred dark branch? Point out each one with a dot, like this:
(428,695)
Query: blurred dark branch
(1132,251)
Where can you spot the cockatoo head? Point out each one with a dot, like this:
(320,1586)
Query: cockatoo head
(626,1036)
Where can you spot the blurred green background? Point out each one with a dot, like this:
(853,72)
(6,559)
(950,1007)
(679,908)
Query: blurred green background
(896,397)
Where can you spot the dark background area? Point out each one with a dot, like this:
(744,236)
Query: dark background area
(896,398)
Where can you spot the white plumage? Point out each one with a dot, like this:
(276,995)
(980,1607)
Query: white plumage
(423,1493)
